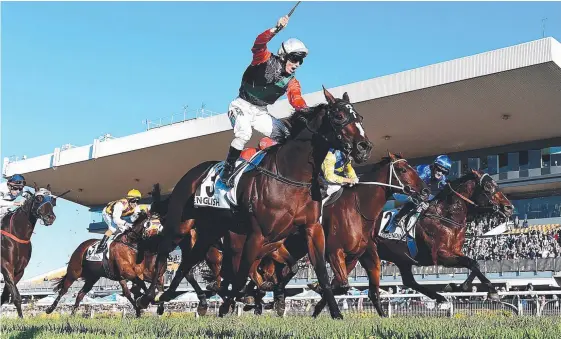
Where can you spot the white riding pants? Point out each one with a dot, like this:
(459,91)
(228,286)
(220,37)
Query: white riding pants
(245,117)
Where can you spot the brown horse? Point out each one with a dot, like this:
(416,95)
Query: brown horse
(121,266)
(276,199)
(348,230)
(441,229)
(17,229)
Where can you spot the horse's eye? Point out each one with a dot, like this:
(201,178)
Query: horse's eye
(39,198)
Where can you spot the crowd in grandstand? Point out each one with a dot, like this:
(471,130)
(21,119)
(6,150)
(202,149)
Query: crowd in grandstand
(531,245)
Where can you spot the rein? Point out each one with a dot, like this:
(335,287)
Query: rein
(461,196)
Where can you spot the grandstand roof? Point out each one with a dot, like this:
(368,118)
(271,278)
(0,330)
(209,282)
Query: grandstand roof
(466,99)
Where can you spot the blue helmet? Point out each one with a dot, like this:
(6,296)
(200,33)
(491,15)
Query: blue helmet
(444,162)
(17,180)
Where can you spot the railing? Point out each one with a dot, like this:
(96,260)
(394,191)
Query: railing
(175,118)
(543,303)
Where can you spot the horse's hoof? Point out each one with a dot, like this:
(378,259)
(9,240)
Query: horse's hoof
(248,308)
(266,286)
(49,310)
(337,315)
(160,309)
(223,309)
(202,309)
(249,300)
(258,311)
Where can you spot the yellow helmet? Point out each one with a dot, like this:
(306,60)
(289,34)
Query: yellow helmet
(134,194)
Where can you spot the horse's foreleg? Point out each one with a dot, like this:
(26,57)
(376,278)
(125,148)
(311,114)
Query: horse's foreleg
(372,264)
(10,285)
(409,281)
(315,239)
(164,249)
(85,289)
(5,296)
(203,304)
(128,295)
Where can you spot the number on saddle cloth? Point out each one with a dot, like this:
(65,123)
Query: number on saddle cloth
(211,193)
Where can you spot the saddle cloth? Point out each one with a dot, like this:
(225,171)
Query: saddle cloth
(209,194)
(390,230)
(92,256)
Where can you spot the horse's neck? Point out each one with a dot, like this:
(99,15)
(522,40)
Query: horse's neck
(21,224)
(458,208)
(300,159)
(375,196)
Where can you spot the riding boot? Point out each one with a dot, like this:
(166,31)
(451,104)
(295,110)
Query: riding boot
(102,245)
(229,165)
(404,214)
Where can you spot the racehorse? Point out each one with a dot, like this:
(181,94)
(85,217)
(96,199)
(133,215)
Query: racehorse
(17,229)
(121,266)
(440,233)
(275,199)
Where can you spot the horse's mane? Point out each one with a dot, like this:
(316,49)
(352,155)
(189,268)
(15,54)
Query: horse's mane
(299,116)
(455,184)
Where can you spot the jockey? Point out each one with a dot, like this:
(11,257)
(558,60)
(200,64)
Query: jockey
(434,176)
(264,143)
(265,80)
(114,213)
(337,170)
(9,192)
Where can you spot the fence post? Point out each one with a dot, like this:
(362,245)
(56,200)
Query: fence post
(538,308)
(451,311)
(389,307)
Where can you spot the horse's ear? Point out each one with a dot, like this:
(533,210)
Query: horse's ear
(476,173)
(346,97)
(391,156)
(49,187)
(328,96)
(35,187)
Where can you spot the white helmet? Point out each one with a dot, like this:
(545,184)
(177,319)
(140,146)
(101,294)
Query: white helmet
(292,46)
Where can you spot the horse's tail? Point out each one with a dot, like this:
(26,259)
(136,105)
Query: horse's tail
(59,282)
(183,192)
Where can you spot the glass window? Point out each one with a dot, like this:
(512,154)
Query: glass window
(513,162)
(503,162)
(545,157)
(535,159)
(493,163)
(523,160)
(455,170)
(483,164)
(538,208)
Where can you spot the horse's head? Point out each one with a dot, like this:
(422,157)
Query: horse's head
(42,205)
(347,127)
(487,194)
(405,176)
(152,226)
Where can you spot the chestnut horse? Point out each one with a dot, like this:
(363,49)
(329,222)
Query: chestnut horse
(121,266)
(17,229)
(276,199)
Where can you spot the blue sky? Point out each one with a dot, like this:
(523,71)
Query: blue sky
(74,71)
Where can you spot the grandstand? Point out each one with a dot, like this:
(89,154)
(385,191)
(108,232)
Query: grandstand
(497,111)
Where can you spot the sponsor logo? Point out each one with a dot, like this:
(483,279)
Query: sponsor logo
(209,201)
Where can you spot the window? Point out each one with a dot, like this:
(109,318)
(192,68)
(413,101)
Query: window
(493,162)
(503,162)
(513,162)
(535,159)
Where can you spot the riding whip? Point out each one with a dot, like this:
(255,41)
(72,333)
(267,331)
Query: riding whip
(278,27)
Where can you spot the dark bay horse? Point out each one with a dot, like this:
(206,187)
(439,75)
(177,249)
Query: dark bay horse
(440,232)
(276,199)
(122,264)
(17,229)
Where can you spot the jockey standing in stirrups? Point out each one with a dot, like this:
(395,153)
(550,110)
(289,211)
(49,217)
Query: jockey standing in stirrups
(434,176)
(266,79)
(10,191)
(337,170)
(114,213)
